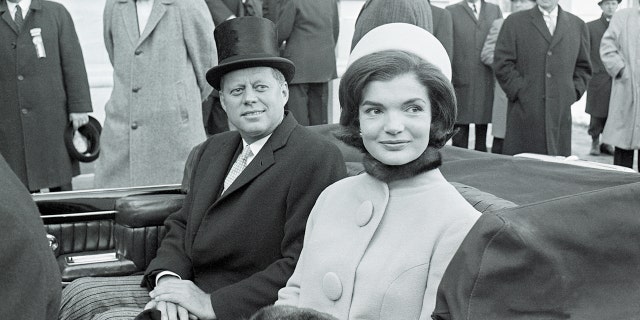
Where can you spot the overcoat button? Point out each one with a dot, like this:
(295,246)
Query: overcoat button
(135,89)
(364,213)
(549,53)
(20,77)
(331,286)
(548,75)
(134,125)
(24,111)
(138,52)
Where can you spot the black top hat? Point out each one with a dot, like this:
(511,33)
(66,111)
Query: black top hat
(91,133)
(247,42)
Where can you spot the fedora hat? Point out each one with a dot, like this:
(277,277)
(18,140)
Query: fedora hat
(405,37)
(247,42)
(86,147)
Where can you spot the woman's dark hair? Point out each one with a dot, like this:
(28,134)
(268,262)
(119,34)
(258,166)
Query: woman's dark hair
(385,66)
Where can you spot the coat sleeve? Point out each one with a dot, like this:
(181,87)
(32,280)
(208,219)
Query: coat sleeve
(490,43)
(74,72)
(198,37)
(218,10)
(583,70)
(505,59)
(106,28)
(286,19)
(323,167)
(445,32)
(610,54)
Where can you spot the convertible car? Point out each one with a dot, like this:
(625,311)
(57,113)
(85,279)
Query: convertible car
(556,240)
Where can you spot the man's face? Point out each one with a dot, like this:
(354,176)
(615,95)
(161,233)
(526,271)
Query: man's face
(519,5)
(254,101)
(547,5)
(609,7)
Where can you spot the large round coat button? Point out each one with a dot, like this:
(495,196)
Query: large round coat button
(331,286)
(364,213)
(134,125)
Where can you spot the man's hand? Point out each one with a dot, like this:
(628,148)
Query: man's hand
(170,311)
(185,294)
(78,119)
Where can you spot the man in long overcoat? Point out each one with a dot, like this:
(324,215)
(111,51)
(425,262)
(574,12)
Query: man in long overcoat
(375,13)
(472,79)
(40,95)
(309,30)
(620,53)
(599,90)
(154,115)
(443,28)
(542,74)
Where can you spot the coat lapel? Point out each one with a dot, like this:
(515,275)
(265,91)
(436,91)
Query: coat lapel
(6,16)
(538,22)
(466,8)
(562,25)
(265,158)
(159,8)
(129,16)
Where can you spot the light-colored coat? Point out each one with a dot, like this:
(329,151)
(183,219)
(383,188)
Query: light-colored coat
(500,101)
(378,251)
(619,49)
(154,115)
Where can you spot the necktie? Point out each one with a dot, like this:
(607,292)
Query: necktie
(475,10)
(18,19)
(237,167)
(550,23)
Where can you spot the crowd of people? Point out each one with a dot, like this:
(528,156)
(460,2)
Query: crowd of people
(320,245)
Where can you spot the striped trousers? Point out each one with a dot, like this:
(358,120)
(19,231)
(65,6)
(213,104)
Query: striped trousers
(105,298)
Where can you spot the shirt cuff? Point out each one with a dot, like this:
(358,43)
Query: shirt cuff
(166,273)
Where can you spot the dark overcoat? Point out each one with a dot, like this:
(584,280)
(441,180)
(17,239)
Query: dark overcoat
(37,95)
(310,29)
(30,276)
(242,246)
(542,76)
(599,90)
(472,79)
(375,13)
(443,28)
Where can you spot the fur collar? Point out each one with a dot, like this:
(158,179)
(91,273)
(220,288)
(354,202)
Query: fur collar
(428,160)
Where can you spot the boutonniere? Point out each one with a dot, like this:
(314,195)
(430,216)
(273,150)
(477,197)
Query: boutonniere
(36,37)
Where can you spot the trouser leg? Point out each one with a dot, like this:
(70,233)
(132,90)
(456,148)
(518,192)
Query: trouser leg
(298,102)
(481,137)
(623,157)
(318,102)
(461,138)
(496,146)
(87,297)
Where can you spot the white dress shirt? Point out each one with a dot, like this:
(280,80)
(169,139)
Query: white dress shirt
(143,9)
(24,5)
(550,18)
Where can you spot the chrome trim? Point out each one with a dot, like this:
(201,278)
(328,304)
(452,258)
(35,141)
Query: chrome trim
(78,214)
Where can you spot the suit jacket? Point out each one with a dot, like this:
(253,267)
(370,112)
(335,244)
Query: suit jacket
(472,79)
(542,76)
(154,114)
(37,94)
(443,28)
(243,245)
(310,29)
(30,276)
(375,13)
(599,90)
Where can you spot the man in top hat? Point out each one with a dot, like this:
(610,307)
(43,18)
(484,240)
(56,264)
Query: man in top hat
(599,90)
(238,236)
(43,87)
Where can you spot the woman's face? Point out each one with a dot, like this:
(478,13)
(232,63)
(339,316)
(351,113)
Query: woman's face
(395,119)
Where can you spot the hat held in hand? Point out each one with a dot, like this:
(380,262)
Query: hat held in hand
(83,144)
(247,42)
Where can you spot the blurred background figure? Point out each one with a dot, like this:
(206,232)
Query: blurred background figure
(309,32)
(599,90)
(500,102)
(542,63)
(375,13)
(443,28)
(30,276)
(160,53)
(43,87)
(472,79)
(619,52)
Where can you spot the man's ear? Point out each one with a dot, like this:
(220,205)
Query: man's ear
(285,92)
